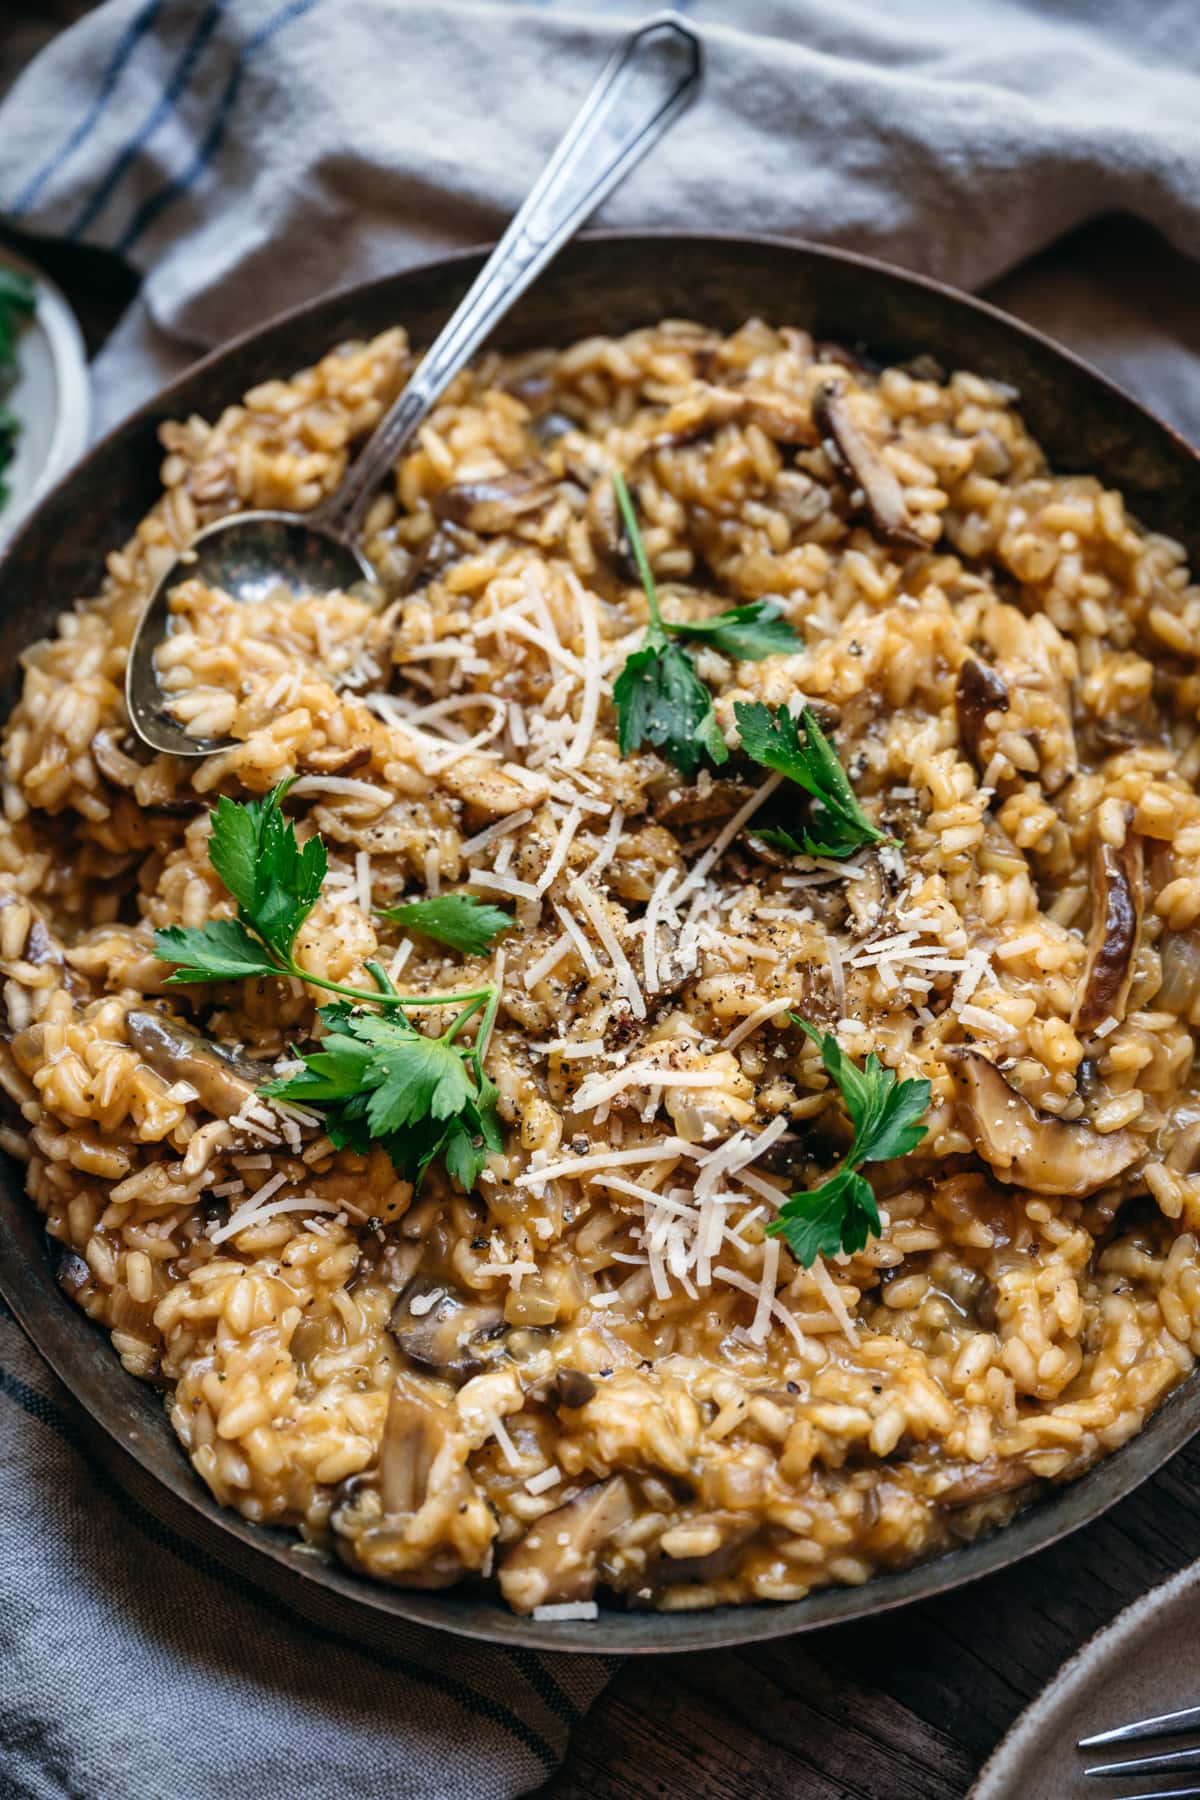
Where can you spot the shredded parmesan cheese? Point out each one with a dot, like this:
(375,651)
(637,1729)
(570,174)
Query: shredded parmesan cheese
(545,1478)
(770,1009)
(622,969)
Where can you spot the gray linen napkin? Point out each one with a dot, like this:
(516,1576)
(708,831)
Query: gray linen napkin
(135,1666)
(247,154)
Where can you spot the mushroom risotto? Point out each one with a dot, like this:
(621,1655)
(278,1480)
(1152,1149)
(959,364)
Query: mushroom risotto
(660,1058)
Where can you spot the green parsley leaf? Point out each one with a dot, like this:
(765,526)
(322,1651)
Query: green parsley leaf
(18,298)
(459,920)
(841,1213)
(275,882)
(376,1078)
(373,1077)
(661,700)
(17,292)
(882,1109)
(472,1135)
(658,695)
(222,950)
(414,1077)
(337,1071)
(775,741)
(748,633)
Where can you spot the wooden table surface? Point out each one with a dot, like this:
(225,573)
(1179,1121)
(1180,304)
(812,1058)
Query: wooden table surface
(904,1707)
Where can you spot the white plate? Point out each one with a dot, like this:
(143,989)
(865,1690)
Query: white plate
(50,397)
(1145,1663)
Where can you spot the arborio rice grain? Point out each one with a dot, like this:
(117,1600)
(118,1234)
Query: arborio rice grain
(599,1373)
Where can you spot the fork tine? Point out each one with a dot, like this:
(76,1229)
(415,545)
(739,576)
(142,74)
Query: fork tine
(1161,1726)
(1189,1793)
(1185,1762)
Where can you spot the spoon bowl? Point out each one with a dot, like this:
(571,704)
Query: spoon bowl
(654,74)
(246,557)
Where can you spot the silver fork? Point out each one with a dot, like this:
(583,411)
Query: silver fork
(1167,1763)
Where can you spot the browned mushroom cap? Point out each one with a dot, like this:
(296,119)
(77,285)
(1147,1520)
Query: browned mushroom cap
(566,1387)
(224,1083)
(573,1388)
(1030,1149)
(1117,901)
(442,1332)
(495,502)
(853,452)
(980,691)
(542,1570)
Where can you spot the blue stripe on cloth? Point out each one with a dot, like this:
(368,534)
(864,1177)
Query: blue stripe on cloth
(153,208)
(180,77)
(37,1406)
(127,43)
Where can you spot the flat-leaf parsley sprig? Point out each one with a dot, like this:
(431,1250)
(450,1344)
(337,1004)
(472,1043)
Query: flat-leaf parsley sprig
(800,750)
(659,697)
(374,1076)
(276,884)
(841,1214)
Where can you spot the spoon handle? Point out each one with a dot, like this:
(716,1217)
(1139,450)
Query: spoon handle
(653,75)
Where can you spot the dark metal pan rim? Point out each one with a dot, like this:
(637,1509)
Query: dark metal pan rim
(45,565)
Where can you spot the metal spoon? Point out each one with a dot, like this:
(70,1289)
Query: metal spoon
(654,74)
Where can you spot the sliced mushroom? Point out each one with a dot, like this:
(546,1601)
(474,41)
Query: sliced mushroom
(548,427)
(224,1083)
(723,1536)
(852,451)
(490,791)
(373,1512)
(980,691)
(969,1483)
(1117,901)
(783,417)
(495,502)
(605,529)
(336,759)
(112,760)
(1116,735)
(1030,1149)
(443,1333)
(542,1569)
(412,1437)
(40,947)
(1184,1154)
(413,572)
(682,806)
